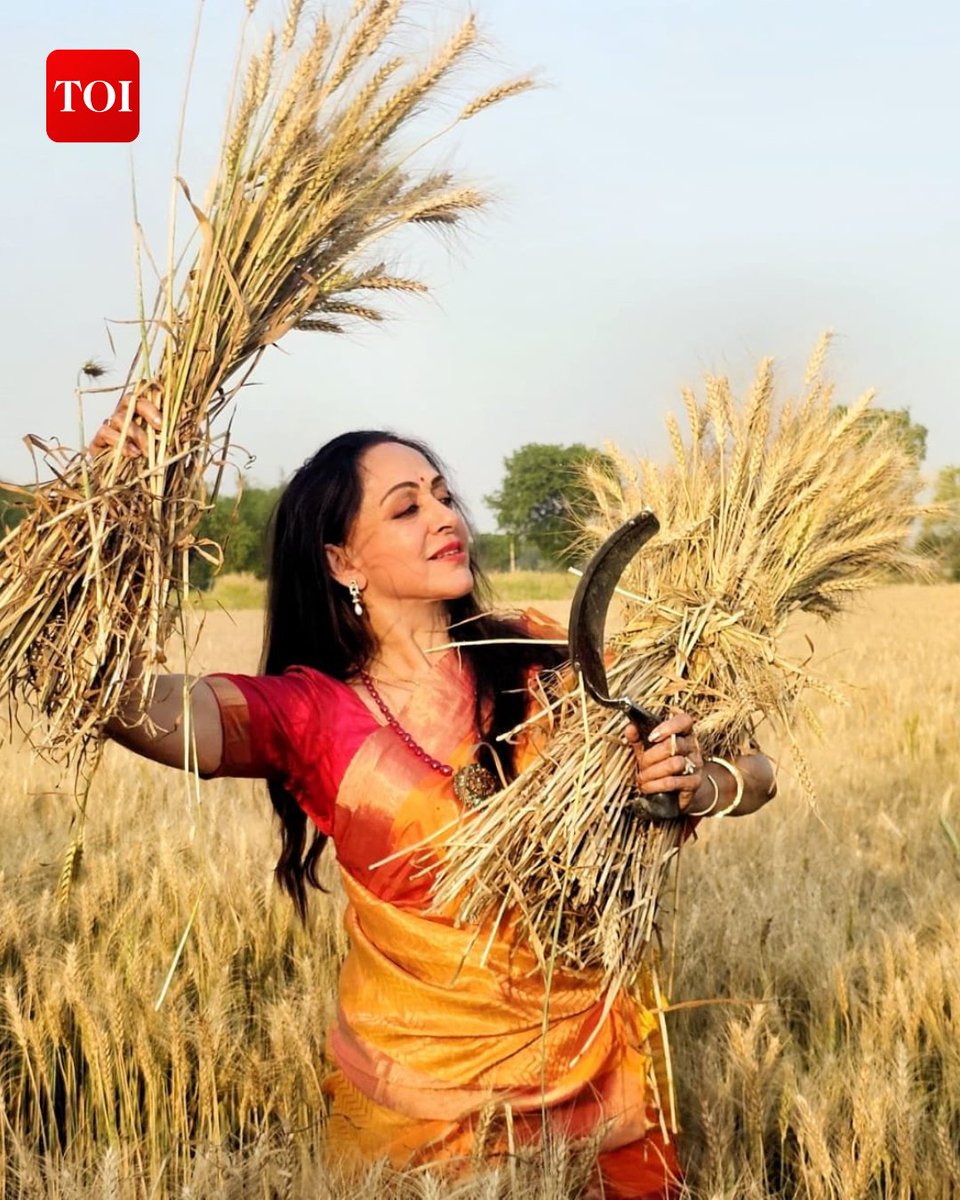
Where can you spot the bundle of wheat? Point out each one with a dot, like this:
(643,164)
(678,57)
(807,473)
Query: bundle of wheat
(761,517)
(312,174)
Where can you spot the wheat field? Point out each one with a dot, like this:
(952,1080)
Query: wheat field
(814,956)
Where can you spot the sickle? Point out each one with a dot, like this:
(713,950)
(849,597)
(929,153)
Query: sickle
(588,615)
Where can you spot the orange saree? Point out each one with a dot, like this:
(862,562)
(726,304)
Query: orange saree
(448,1045)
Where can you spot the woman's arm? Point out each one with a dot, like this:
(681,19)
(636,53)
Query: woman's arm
(759,787)
(183,712)
(674,763)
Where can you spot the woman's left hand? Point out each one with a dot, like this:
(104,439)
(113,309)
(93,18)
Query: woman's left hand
(661,767)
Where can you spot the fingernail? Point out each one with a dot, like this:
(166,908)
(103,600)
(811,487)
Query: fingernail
(656,734)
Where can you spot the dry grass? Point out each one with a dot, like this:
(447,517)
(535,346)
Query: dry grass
(834,1072)
(541,588)
(843,1080)
(234,591)
(532,586)
(769,507)
(318,170)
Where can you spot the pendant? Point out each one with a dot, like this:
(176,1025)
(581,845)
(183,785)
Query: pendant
(473,784)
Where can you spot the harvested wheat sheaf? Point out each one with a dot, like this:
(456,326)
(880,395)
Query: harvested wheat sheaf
(764,513)
(314,172)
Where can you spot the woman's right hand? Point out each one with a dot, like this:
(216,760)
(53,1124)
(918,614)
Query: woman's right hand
(111,431)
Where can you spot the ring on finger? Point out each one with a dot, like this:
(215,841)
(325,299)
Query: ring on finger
(673,745)
(689,766)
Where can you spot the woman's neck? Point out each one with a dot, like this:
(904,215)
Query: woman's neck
(406,635)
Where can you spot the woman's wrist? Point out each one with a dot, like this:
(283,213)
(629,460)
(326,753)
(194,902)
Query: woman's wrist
(711,796)
(738,785)
(706,799)
(733,786)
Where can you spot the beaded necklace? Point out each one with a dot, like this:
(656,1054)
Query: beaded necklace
(472,784)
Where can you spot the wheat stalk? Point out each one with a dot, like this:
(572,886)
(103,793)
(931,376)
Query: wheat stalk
(311,178)
(756,526)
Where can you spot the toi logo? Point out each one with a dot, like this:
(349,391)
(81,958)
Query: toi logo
(93,95)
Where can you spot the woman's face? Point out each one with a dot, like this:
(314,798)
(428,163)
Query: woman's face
(408,541)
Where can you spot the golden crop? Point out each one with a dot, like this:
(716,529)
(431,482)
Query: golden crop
(825,1065)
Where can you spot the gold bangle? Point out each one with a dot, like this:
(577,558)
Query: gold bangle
(705,812)
(738,777)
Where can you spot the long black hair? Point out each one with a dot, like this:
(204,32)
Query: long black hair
(311,622)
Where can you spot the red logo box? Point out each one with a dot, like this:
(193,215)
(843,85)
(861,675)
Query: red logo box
(93,95)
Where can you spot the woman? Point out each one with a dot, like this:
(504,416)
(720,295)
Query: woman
(362,724)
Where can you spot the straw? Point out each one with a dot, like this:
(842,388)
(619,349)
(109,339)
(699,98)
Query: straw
(766,511)
(316,170)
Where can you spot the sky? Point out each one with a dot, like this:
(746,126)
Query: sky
(697,185)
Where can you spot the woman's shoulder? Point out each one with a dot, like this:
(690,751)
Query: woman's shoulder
(541,626)
(547,637)
(298,685)
(322,692)
(525,624)
(313,677)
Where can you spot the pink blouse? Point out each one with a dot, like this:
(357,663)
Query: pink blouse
(301,728)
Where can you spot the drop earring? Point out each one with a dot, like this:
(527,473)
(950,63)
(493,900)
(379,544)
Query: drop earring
(354,590)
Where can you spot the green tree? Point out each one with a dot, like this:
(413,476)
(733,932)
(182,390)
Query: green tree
(241,530)
(492,551)
(256,508)
(940,536)
(912,435)
(542,497)
(14,506)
